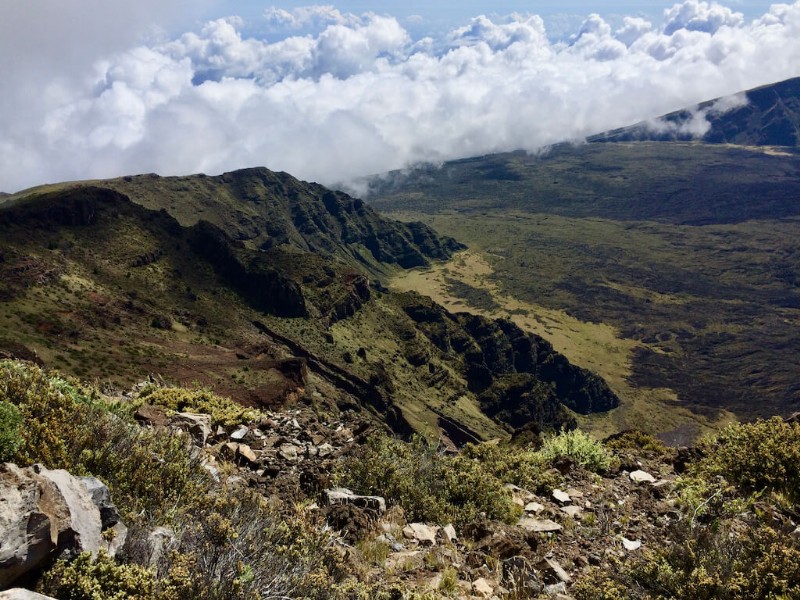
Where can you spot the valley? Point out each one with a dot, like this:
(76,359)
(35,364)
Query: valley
(691,262)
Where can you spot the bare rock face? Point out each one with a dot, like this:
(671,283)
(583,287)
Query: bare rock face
(44,514)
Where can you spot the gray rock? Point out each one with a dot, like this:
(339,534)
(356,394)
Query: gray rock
(110,518)
(534,507)
(556,589)
(196,425)
(538,525)
(562,496)
(424,534)
(44,514)
(553,571)
(324,450)
(576,512)
(641,477)
(101,496)
(344,496)
(450,533)
(240,433)
(82,525)
(288,452)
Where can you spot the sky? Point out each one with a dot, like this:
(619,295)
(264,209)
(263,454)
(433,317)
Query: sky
(333,92)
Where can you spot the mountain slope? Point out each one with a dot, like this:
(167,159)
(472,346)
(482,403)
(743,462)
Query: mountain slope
(764,116)
(128,278)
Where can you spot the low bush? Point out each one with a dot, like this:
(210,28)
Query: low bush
(637,440)
(10,435)
(727,562)
(523,467)
(758,456)
(101,578)
(223,411)
(579,447)
(428,485)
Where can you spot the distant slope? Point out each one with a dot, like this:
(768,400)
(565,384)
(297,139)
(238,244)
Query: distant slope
(688,249)
(770,117)
(679,183)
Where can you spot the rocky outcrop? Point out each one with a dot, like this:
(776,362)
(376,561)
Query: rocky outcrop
(518,377)
(47,514)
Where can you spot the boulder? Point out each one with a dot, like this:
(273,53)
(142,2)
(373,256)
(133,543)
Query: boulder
(424,534)
(155,416)
(196,425)
(45,514)
(539,525)
(110,518)
(344,496)
(642,477)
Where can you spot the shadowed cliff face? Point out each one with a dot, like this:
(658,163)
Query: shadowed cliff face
(770,117)
(517,376)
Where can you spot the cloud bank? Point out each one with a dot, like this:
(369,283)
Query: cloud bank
(330,96)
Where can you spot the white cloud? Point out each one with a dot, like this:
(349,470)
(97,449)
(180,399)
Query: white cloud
(700,16)
(358,95)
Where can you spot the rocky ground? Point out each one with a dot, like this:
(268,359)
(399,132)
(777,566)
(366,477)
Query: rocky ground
(590,520)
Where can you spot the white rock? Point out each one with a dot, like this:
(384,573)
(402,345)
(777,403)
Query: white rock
(240,433)
(482,588)
(450,533)
(576,512)
(424,534)
(22,594)
(196,425)
(534,507)
(642,477)
(631,545)
(538,525)
(561,496)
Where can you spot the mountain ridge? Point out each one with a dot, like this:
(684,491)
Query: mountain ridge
(291,271)
(769,116)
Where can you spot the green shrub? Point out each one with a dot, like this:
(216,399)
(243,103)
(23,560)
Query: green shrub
(598,584)
(56,415)
(636,440)
(99,579)
(578,446)
(763,455)
(10,435)
(523,467)
(428,485)
(720,563)
(223,411)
